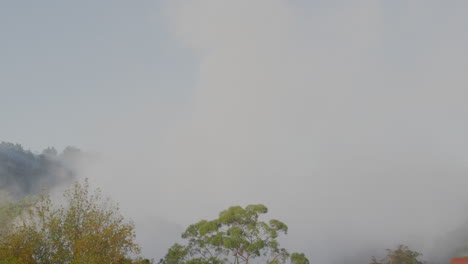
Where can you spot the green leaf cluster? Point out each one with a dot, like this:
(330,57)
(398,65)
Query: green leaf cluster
(401,255)
(236,236)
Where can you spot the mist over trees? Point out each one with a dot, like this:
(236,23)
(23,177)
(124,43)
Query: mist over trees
(89,229)
(401,255)
(86,228)
(23,172)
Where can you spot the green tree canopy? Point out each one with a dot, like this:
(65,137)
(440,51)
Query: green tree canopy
(236,236)
(401,255)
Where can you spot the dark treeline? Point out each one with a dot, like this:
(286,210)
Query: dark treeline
(23,172)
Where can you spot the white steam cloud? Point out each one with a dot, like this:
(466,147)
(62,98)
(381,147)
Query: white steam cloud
(348,120)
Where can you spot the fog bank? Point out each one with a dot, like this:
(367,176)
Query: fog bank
(347,120)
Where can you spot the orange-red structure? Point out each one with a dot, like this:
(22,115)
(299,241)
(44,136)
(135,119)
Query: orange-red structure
(459,261)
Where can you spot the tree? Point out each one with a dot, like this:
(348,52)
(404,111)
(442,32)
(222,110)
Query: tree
(87,228)
(401,255)
(50,151)
(24,173)
(9,210)
(237,235)
(299,258)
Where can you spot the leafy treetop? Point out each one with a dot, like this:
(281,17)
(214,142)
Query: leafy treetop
(236,236)
(401,255)
(87,228)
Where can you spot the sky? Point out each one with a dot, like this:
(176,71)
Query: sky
(346,118)
(70,66)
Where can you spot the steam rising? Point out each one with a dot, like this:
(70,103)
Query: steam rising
(350,128)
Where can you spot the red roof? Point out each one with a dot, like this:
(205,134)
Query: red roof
(459,261)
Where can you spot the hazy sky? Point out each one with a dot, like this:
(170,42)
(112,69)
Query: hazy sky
(67,66)
(348,119)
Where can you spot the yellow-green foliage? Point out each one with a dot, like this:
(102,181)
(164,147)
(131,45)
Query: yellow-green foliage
(10,210)
(85,229)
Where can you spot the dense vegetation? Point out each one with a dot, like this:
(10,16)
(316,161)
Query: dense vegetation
(23,172)
(86,228)
(401,255)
